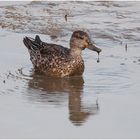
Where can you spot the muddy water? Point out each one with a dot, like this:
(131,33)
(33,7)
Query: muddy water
(104,103)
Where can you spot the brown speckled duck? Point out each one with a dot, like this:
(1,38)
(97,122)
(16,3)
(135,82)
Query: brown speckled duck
(56,60)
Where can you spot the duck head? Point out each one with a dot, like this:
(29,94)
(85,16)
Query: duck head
(80,40)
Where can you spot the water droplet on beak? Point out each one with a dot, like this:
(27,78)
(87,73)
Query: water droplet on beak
(98,59)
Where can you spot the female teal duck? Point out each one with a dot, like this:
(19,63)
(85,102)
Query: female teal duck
(56,60)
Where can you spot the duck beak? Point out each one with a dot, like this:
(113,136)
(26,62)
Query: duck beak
(94,48)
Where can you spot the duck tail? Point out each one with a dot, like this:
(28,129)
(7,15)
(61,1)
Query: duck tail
(38,40)
(32,44)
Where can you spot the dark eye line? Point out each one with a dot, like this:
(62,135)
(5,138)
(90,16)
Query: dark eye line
(81,37)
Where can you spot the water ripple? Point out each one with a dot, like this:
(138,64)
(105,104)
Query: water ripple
(116,21)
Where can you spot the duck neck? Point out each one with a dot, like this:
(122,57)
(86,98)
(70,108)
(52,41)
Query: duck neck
(75,50)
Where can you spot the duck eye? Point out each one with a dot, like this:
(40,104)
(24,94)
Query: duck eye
(81,37)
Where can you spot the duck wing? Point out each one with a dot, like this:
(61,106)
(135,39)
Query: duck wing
(44,54)
(36,45)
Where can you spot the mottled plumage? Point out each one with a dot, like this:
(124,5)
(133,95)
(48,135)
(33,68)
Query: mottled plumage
(56,60)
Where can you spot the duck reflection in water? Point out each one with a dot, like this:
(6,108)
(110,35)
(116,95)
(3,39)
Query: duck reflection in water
(56,90)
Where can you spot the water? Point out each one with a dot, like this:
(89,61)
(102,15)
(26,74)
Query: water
(104,103)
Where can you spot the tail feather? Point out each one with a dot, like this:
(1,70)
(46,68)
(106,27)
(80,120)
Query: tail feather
(38,40)
(32,44)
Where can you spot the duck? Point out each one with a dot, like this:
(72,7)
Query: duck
(56,60)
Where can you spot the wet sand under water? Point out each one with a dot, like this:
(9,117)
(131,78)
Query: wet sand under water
(104,103)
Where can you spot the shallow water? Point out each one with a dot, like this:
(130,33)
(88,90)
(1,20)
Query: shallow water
(104,103)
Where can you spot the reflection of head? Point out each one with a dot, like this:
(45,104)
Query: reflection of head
(77,118)
(78,112)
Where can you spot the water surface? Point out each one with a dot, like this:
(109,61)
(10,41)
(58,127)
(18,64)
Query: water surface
(104,103)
